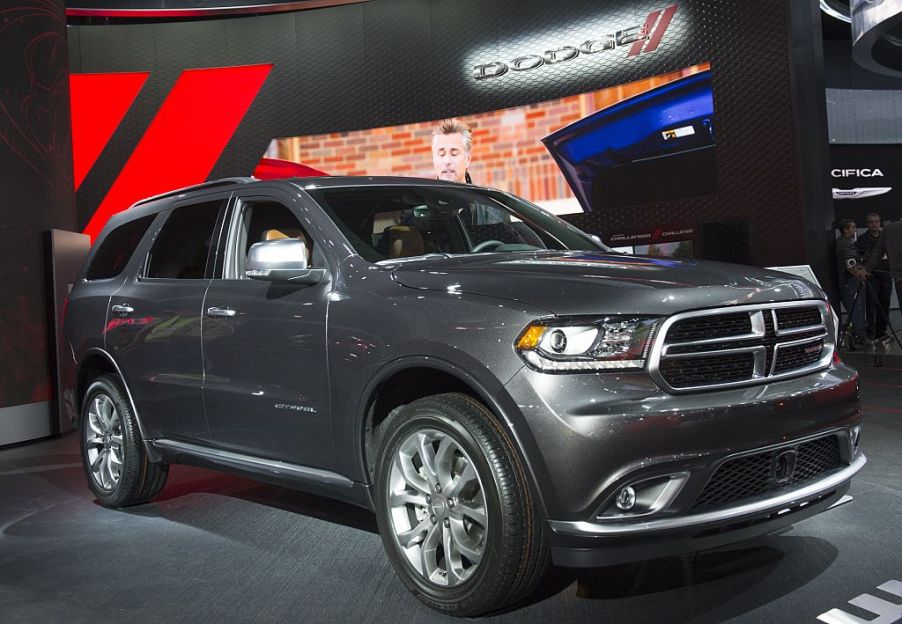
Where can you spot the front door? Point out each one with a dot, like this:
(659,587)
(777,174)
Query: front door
(266,387)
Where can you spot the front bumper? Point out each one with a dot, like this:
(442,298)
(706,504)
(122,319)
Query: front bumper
(590,544)
(593,433)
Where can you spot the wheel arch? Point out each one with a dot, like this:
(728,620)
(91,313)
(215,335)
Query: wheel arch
(442,377)
(96,362)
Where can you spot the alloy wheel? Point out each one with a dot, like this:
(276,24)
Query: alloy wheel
(437,507)
(103,442)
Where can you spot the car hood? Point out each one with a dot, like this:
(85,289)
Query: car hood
(567,283)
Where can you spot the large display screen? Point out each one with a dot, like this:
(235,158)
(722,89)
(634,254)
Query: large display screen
(646,141)
(866,179)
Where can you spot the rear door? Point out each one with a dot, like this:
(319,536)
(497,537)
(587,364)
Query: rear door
(267,388)
(154,327)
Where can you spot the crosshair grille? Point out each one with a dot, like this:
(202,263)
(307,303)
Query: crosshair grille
(710,349)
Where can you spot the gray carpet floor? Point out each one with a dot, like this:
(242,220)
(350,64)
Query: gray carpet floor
(218,548)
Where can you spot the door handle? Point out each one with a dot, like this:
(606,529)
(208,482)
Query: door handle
(122,309)
(226,312)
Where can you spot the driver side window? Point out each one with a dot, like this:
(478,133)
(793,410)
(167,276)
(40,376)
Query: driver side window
(256,221)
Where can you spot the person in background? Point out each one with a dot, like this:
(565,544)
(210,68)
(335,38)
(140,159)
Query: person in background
(452,147)
(452,144)
(851,274)
(880,281)
(890,244)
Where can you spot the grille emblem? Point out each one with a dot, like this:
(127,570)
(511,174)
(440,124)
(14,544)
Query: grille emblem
(784,466)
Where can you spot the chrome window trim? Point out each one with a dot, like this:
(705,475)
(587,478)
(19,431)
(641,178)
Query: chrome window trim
(759,376)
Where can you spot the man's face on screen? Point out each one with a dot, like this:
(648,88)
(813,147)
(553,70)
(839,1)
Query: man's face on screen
(450,157)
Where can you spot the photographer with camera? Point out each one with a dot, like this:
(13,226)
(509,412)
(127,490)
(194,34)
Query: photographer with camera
(881,283)
(851,275)
(890,245)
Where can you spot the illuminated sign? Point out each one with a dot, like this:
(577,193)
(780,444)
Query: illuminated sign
(644,38)
(861,173)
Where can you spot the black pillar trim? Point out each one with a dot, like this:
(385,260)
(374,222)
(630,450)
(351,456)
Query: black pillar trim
(808,85)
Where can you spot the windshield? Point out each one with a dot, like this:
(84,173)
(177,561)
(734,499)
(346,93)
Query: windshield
(396,222)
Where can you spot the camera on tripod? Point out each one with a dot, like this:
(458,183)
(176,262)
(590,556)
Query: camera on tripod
(867,293)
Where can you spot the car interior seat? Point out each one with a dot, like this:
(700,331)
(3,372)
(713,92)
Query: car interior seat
(403,241)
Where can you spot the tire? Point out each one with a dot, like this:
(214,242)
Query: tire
(116,465)
(499,555)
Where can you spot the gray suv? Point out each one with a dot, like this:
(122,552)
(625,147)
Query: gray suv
(498,386)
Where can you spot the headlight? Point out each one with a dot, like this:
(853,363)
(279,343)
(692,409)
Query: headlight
(614,342)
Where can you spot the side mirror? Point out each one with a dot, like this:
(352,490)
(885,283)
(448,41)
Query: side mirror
(283,260)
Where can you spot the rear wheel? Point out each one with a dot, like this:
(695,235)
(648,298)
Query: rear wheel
(454,508)
(115,461)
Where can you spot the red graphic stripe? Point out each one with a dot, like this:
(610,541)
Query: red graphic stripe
(99,102)
(186,138)
(662,27)
(649,22)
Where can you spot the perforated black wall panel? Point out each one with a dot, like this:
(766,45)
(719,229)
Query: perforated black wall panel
(36,174)
(387,62)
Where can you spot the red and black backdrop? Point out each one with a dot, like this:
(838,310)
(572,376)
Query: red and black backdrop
(375,64)
(37,195)
(171,101)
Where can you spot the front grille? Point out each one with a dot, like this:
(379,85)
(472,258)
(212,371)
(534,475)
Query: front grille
(696,371)
(729,346)
(750,475)
(798,356)
(791,318)
(702,328)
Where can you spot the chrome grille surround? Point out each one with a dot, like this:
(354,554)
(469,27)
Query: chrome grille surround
(763,342)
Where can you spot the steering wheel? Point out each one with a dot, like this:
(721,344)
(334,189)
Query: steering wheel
(486,245)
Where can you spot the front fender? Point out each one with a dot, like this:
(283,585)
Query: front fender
(485,385)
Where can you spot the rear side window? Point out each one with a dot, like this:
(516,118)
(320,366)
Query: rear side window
(183,245)
(117,248)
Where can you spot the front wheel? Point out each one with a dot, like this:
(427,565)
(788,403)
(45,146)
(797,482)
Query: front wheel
(115,462)
(454,508)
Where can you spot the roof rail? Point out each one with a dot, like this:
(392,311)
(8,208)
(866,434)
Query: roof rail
(194,187)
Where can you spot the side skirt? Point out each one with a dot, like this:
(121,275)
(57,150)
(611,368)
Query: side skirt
(314,480)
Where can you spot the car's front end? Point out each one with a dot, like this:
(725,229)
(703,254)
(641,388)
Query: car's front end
(635,407)
(678,433)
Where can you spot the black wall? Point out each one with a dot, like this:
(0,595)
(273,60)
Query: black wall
(386,62)
(36,184)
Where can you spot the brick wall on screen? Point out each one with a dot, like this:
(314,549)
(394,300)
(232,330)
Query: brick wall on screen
(507,148)
(507,152)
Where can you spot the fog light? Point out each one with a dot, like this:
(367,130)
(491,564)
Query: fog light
(643,498)
(856,435)
(626,498)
